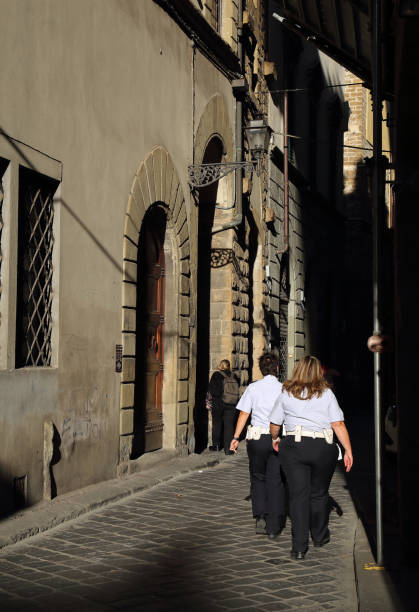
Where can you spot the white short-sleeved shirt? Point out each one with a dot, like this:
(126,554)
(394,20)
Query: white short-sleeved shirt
(313,414)
(259,399)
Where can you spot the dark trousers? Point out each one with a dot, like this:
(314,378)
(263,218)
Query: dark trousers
(266,486)
(308,467)
(223,415)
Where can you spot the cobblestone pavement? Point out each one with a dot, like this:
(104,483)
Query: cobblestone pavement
(188,544)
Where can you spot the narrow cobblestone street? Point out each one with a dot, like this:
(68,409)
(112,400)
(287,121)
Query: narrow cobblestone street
(188,544)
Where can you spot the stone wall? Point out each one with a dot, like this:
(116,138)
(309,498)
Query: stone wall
(357,98)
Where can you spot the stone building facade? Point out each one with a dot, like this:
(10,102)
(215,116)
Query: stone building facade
(304,293)
(122,286)
(358,236)
(99,341)
(357,208)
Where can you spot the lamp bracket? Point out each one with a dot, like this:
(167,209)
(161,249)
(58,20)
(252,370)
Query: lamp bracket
(202,175)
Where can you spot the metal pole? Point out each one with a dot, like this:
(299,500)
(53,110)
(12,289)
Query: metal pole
(377,213)
(286,234)
(286,199)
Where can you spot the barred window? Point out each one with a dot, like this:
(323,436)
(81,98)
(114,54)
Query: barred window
(34,279)
(3,166)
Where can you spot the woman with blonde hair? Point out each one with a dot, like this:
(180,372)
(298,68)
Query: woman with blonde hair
(309,413)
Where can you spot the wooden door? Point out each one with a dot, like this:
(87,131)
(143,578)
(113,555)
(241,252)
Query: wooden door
(154,349)
(148,415)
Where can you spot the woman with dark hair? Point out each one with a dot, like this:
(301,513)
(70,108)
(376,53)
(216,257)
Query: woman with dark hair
(309,413)
(266,487)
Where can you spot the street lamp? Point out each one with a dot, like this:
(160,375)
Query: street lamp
(258,135)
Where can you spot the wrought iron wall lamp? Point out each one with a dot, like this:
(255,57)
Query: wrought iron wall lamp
(258,135)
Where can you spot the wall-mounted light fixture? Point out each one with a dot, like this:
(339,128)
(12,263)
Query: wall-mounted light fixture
(268,278)
(300,298)
(258,135)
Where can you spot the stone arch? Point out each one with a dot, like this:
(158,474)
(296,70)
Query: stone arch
(156,182)
(214,125)
(214,143)
(214,121)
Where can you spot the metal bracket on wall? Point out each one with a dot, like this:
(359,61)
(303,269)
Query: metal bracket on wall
(202,175)
(118,358)
(222,257)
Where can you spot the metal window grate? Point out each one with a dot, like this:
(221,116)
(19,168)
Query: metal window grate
(3,166)
(1,229)
(283,359)
(34,321)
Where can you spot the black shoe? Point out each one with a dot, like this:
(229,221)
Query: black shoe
(261,526)
(273,536)
(322,542)
(214,447)
(298,555)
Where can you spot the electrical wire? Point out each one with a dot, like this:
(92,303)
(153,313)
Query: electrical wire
(312,140)
(298,89)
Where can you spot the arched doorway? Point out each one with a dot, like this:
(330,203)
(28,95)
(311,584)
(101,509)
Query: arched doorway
(207,201)
(156,206)
(148,409)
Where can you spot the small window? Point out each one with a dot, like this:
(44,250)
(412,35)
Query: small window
(212,11)
(218,15)
(34,280)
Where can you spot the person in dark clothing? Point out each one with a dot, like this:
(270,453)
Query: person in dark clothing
(309,414)
(266,486)
(224,390)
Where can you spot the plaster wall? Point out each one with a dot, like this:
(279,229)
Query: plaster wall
(96,85)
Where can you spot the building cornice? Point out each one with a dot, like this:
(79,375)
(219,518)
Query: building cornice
(207,40)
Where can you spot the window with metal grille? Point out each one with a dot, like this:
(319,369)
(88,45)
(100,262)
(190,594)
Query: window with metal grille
(283,359)
(3,166)
(34,293)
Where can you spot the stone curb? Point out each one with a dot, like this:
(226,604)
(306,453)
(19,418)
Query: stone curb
(376,591)
(48,514)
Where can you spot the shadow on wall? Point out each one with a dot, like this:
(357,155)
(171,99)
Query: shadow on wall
(12,498)
(67,207)
(357,290)
(206,213)
(13,491)
(55,458)
(9,500)
(358,390)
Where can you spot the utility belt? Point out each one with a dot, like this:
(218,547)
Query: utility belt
(299,432)
(255,431)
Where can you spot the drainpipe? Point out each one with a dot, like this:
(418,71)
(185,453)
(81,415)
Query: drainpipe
(286,196)
(238,217)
